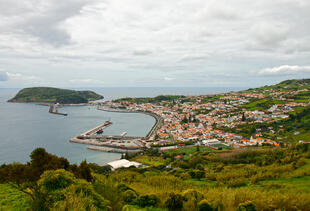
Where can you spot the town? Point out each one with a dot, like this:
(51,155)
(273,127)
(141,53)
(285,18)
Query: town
(199,119)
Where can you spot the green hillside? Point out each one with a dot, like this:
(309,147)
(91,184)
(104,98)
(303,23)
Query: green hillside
(260,178)
(287,85)
(54,95)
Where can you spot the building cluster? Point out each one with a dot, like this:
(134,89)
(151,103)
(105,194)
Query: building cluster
(199,118)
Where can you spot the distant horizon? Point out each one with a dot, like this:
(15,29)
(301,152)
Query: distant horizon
(153,86)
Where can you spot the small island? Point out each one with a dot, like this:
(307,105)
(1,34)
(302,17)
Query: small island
(54,95)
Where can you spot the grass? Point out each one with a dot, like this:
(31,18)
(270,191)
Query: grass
(292,179)
(224,147)
(304,136)
(189,150)
(262,104)
(13,199)
(298,110)
(298,183)
(151,161)
(202,182)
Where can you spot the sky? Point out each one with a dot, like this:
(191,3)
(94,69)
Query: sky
(196,43)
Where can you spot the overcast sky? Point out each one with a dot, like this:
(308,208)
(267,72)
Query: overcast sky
(206,43)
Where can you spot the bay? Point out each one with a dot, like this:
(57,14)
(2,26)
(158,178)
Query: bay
(26,126)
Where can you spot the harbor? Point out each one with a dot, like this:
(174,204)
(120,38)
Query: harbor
(159,120)
(116,143)
(110,143)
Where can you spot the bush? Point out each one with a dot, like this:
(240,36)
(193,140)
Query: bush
(192,194)
(237,182)
(197,174)
(54,180)
(247,206)
(204,206)
(129,196)
(147,201)
(191,198)
(174,202)
(301,162)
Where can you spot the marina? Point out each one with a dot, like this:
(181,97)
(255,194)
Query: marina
(116,143)
(109,143)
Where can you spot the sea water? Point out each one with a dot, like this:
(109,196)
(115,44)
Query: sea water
(26,126)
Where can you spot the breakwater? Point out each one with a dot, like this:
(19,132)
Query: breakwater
(114,150)
(53,110)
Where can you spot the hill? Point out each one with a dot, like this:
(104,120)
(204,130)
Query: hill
(293,95)
(287,85)
(250,179)
(54,95)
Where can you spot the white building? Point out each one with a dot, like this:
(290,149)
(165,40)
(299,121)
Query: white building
(211,142)
(123,163)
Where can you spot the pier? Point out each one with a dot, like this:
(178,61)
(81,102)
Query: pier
(116,143)
(96,129)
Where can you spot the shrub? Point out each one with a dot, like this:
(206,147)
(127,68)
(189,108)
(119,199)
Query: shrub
(301,162)
(174,202)
(147,201)
(192,194)
(54,180)
(236,182)
(129,196)
(185,175)
(247,206)
(204,206)
(191,198)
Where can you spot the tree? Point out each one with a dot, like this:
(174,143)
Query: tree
(174,202)
(243,118)
(84,172)
(197,148)
(62,190)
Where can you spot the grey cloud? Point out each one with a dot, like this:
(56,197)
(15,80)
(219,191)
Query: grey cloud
(285,70)
(270,34)
(43,20)
(141,52)
(4,76)
(193,42)
(186,58)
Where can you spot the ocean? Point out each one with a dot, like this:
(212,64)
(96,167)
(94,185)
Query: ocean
(26,126)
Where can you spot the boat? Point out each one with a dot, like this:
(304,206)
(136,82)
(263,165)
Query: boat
(99,131)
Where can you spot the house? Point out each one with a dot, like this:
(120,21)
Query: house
(123,163)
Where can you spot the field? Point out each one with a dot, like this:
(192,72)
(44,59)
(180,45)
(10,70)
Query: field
(189,150)
(150,161)
(262,104)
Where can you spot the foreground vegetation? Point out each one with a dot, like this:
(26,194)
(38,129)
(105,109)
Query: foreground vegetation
(54,95)
(252,179)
